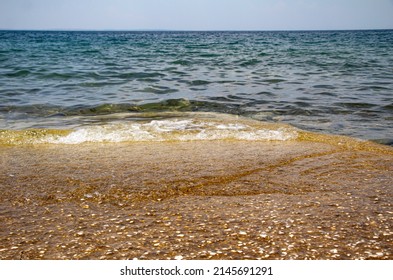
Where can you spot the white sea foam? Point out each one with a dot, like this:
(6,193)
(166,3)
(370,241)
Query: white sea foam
(173,130)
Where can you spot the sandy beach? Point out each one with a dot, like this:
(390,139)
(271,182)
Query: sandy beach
(303,199)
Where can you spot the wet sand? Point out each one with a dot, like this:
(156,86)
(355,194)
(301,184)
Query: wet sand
(196,200)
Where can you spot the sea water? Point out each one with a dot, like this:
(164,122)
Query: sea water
(199,145)
(110,85)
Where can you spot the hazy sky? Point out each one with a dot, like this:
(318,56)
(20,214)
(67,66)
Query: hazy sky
(196,14)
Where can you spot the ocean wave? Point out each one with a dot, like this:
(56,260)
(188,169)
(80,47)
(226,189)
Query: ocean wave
(198,127)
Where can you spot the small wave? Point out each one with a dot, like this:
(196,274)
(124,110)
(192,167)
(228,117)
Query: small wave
(355,105)
(159,90)
(171,105)
(182,62)
(138,75)
(198,83)
(251,62)
(171,130)
(196,128)
(59,76)
(389,107)
(208,55)
(324,87)
(274,81)
(18,74)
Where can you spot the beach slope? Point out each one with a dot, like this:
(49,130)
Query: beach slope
(317,197)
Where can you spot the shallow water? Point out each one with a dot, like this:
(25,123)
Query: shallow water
(316,198)
(138,127)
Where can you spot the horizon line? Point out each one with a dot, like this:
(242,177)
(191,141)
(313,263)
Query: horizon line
(193,30)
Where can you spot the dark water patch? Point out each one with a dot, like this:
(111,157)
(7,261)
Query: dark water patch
(170,69)
(274,81)
(238,96)
(388,142)
(18,74)
(263,54)
(104,109)
(57,114)
(302,112)
(220,99)
(179,73)
(15,100)
(184,105)
(59,76)
(198,83)
(99,84)
(17,50)
(26,111)
(196,89)
(337,110)
(91,51)
(111,64)
(295,83)
(11,93)
(326,93)
(142,44)
(182,62)
(388,107)
(151,80)
(251,62)
(159,90)
(102,75)
(257,102)
(296,110)
(355,105)
(324,87)
(354,66)
(311,99)
(5,109)
(138,75)
(368,114)
(266,93)
(197,46)
(209,55)
(302,104)
(165,105)
(373,88)
(224,82)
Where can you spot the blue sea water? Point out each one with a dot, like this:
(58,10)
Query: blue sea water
(337,82)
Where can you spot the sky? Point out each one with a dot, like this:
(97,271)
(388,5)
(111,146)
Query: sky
(196,14)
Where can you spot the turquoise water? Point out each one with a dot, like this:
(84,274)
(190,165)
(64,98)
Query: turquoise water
(331,82)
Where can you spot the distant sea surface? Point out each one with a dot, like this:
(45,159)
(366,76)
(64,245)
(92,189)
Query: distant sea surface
(334,82)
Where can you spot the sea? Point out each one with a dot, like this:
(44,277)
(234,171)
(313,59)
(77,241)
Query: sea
(91,86)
